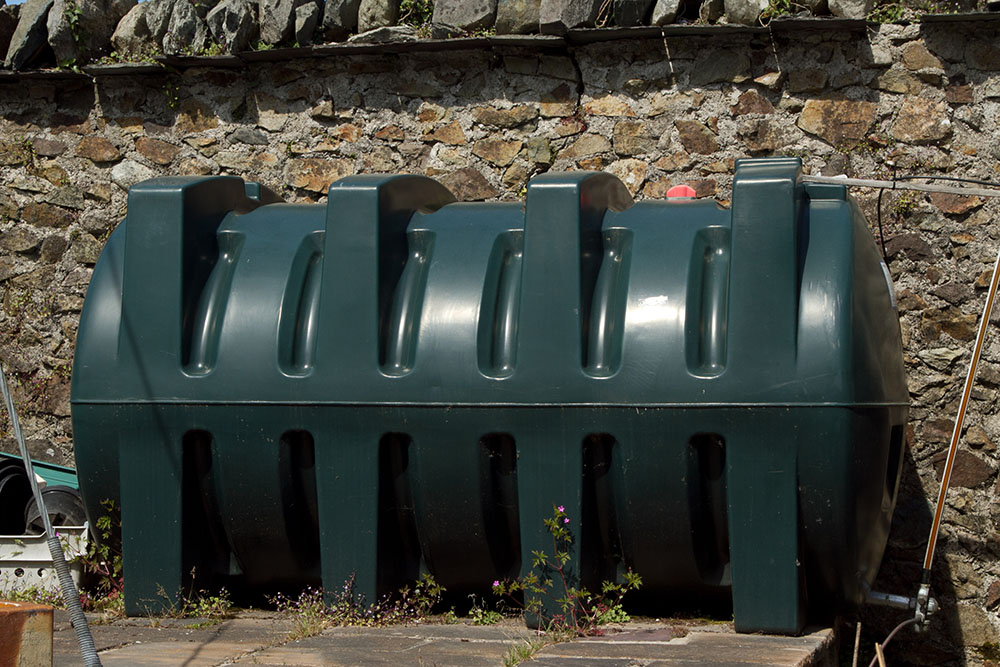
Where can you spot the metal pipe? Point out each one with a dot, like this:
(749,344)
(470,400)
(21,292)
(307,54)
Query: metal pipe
(960,418)
(898,185)
(69,593)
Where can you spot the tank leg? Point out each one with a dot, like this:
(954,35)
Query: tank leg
(549,473)
(347,496)
(764,531)
(151,471)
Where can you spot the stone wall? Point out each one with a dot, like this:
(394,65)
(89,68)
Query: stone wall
(484,116)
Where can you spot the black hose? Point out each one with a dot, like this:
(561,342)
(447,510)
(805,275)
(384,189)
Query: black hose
(909,621)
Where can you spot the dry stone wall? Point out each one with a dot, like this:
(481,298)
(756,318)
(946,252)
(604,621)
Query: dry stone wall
(483,117)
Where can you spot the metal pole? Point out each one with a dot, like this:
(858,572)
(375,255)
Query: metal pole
(69,593)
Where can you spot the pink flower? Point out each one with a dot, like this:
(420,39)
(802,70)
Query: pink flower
(561,508)
(496,583)
(566,520)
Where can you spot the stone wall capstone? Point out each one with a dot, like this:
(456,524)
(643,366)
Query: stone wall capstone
(485,116)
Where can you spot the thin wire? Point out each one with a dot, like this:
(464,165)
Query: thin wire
(892,634)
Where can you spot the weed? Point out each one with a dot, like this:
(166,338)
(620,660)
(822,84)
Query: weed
(145,55)
(36,595)
(886,12)
(416,13)
(480,616)
(173,98)
(262,46)
(776,8)
(580,612)
(72,13)
(314,609)
(22,152)
(203,604)
(523,652)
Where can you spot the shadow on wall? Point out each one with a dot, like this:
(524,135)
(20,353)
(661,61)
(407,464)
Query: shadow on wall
(900,574)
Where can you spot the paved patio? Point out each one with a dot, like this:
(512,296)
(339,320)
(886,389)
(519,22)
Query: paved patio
(262,638)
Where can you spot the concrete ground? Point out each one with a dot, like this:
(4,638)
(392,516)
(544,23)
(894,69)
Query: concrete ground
(262,638)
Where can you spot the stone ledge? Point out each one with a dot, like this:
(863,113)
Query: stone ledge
(578,37)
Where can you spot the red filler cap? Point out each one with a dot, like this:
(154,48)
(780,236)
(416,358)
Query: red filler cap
(681,192)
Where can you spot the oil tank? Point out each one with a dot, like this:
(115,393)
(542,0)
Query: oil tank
(393,382)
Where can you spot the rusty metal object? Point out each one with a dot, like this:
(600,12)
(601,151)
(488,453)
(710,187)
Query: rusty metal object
(25,635)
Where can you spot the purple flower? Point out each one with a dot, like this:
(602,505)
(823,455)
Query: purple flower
(496,583)
(561,508)
(566,520)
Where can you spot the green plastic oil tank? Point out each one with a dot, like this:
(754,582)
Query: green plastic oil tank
(282,395)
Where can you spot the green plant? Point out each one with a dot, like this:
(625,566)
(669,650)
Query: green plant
(173,98)
(416,13)
(36,595)
(72,13)
(776,8)
(202,604)
(22,152)
(146,54)
(480,616)
(905,203)
(262,46)
(314,609)
(523,651)
(886,12)
(580,612)
(103,562)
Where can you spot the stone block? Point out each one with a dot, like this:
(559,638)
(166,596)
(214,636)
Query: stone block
(30,35)
(556,17)
(459,17)
(518,16)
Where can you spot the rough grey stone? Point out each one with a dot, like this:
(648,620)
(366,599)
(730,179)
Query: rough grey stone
(665,11)
(463,16)
(711,11)
(632,12)
(377,14)
(203,7)
(746,12)
(186,32)
(721,65)
(132,33)
(158,17)
(815,6)
(306,20)
(277,20)
(851,9)
(558,16)
(8,24)
(517,17)
(233,24)
(29,36)
(95,22)
(246,135)
(340,19)
(385,35)
(127,173)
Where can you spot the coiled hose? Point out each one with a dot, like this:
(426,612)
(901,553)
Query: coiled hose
(69,593)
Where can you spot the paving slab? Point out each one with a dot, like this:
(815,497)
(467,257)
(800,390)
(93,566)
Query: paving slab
(262,638)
